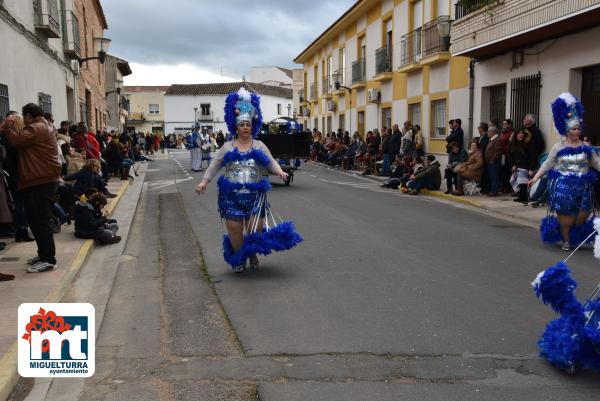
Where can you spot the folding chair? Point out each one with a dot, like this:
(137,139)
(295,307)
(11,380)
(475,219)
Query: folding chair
(471,187)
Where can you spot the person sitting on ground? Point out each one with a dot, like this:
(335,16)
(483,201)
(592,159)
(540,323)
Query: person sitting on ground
(350,152)
(334,157)
(75,160)
(456,156)
(114,156)
(89,221)
(429,178)
(87,178)
(401,174)
(471,169)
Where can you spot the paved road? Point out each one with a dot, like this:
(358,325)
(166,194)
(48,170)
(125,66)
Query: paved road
(389,297)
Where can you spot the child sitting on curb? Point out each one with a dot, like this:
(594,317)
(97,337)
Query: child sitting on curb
(89,221)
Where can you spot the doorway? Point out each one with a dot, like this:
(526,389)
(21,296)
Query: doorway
(590,97)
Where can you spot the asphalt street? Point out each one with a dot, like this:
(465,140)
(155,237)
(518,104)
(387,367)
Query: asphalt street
(389,297)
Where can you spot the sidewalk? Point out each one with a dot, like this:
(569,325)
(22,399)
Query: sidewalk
(71,253)
(501,206)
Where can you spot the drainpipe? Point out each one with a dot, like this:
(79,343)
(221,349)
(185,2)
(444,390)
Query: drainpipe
(471,95)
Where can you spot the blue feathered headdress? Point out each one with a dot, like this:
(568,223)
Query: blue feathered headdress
(243,106)
(567,111)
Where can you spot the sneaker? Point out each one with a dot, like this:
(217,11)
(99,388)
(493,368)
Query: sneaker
(566,246)
(33,261)
(253,264)
(113,240)
(40,266)
(111,195)
(239,269)
(6,277)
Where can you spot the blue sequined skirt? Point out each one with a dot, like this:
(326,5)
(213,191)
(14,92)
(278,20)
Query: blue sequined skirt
(571,195)
(235,205)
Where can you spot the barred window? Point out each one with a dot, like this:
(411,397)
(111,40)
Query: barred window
(525,97)
(4,101)
(45,102)
(205,109)
(438,112)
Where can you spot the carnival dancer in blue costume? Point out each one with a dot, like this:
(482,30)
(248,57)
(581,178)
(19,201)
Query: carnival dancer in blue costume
(569,167)
(243,187)
(193,145)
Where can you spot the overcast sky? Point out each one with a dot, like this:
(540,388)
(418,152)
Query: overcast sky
(201,41)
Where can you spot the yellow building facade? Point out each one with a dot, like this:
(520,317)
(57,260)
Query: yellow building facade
(384,62)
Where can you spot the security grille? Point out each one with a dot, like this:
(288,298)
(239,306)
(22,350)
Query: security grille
(45,102)
(4,101)
(525,97)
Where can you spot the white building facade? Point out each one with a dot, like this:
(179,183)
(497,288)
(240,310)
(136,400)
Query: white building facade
(204,103)
(274,76)
(529,54)
(37,66)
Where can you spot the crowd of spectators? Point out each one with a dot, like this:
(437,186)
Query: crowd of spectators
(52,177)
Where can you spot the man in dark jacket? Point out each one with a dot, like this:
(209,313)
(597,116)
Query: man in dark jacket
(493,156)
(457,134)
(39,175)
(429,178)
(537,138)
(395,142)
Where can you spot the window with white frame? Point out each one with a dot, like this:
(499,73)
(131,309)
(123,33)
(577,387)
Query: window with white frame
(153,109)
(414,113)
(438,113)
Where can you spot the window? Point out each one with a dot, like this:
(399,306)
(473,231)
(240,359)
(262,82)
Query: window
(414,113)
(45,102)
(386,117)
(438,113)
(278,108)
(154,109)
(4,101)
(205,109)
(498,102)
(525,97)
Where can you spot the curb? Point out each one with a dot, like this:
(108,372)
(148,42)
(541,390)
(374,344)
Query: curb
(9,375)
(453,198)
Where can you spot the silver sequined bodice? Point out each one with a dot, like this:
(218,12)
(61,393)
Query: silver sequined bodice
(577,164)
(244,171)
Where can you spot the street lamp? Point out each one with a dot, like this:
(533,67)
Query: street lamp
(117,90)
(195,114)
(101,44)
(443,28)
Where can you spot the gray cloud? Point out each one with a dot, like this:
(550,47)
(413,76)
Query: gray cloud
(229,34)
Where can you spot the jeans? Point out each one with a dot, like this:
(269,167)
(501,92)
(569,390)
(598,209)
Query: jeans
(126,163)
(38,202)
(385,168)
(18,207)
(109,231)
(427,182)
(494,169)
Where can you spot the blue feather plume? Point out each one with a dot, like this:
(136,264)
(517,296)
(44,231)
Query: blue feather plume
(231,104)
(549,230)
(557,289)
(236,156)
(226,185)
(580,232)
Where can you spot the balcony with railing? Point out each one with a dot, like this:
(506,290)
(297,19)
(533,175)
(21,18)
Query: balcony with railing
(383,63)
(205,116)
(338,78)
(483,29)
(71,37)
(313,92)
(410,45)
(125,106)
(301,97)
(46,17)
(359,72)
(435,40)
